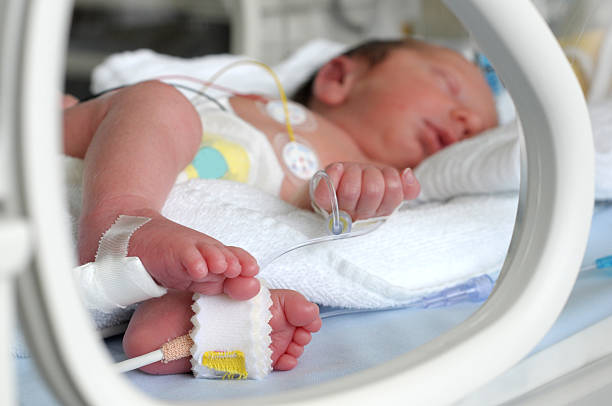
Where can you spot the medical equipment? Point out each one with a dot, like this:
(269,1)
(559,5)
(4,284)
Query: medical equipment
(339,223)
(298,157)
(479,288)
(599,264)
(558,182)
(475,290)
(229,339)
(279,87)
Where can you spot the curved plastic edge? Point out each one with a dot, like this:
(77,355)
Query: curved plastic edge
(555,209)
(60,333)
(554,215)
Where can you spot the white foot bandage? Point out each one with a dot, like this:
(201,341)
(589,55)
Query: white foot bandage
(115,280)
(231,338)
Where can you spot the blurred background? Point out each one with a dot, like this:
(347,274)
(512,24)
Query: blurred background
(270,30)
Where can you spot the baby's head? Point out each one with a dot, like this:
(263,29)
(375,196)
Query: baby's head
(402,101)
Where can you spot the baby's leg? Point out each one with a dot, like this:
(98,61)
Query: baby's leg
(157,321)
(134,142)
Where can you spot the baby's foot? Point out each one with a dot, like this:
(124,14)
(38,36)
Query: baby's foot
(179,257)
(159,320)
(293,320)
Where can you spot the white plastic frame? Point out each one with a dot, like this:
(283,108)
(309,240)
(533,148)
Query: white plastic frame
(550,237)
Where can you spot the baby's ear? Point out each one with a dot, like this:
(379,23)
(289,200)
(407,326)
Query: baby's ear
(335,80)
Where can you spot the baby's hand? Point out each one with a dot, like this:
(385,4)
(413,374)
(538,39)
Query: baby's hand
(366,190)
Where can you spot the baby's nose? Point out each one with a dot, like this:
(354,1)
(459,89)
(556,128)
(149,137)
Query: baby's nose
(468,122)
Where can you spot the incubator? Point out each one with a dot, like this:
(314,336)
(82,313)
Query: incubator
(543,260)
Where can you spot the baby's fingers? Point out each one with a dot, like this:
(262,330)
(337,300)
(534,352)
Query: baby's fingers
(349,189)
(321,192)
(394,191)
(372,193)
(398,187)
(410,185)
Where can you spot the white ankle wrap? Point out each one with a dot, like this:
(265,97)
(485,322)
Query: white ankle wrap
(115,280)
(231,338)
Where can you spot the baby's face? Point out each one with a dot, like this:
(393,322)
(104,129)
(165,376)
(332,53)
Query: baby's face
(417,102)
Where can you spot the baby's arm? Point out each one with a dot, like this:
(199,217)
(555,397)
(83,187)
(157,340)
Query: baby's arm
(367,190)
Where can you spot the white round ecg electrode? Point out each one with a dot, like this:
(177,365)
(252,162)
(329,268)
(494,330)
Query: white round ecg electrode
(297,114)
(300,160)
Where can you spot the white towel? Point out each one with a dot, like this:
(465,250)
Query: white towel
(420,250)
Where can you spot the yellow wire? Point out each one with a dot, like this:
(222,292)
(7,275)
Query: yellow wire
(279,86)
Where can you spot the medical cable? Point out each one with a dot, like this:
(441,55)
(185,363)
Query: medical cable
(336,227)
(479,288)
(206,83)
(339,224)
(279,86)
(173,350)
(199,93)
(474,290)
(599,263)
(176,85)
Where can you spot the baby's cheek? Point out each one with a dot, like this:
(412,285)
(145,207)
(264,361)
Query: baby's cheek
(401,148)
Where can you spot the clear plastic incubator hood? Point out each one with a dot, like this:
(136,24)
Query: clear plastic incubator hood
(552,225)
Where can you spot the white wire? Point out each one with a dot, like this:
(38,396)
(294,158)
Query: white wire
(263,264)
(335,214)
(138,362)
(374,221)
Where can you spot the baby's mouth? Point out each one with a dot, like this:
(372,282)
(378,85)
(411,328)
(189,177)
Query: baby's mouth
(437,137)
(430,139)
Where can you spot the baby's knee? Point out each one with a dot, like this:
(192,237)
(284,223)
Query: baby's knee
(167,104)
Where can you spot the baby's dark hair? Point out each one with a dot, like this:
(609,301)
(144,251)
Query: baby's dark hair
(372,51)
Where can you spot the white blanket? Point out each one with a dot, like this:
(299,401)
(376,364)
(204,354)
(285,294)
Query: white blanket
(420,250)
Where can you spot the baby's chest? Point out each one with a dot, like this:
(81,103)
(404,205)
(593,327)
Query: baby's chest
(307,144)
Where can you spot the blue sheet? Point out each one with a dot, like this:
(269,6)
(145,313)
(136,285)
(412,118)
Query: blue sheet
(353,342)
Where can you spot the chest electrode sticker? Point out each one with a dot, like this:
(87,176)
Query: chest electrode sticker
(300,160)
(297,114)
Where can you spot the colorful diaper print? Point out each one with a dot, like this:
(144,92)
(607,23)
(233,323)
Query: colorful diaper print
(218,158)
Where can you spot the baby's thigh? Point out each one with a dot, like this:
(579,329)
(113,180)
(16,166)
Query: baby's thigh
(157,321)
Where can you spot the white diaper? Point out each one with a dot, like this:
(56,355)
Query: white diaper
(232,149)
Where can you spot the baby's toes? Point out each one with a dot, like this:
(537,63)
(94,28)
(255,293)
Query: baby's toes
(233,263)
(300,312)
(285,362)
(302,336)
(212,286)
(241,288)
(295,350)
(215,258)
(194,263)
(315,325)
(248,264)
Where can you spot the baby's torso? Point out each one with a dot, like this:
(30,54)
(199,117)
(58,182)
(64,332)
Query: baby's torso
(250,143)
